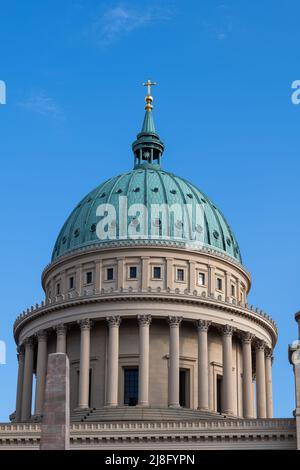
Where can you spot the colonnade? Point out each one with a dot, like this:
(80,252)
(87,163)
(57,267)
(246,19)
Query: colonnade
(263,360)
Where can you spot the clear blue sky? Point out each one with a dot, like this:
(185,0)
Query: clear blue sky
(223,107)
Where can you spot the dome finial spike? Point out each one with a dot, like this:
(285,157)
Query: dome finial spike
(149,98)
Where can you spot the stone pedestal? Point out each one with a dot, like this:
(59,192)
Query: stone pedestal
(55,429)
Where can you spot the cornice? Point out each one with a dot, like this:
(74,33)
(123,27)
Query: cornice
(130,295)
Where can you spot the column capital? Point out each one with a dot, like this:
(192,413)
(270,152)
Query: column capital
(60,329)
(227,330)
(203,325)
(246,337)
(42,335)
(114,321)
(28,342)
(174,322)
(144,320)
(269,353)
(85,324)
(260,345)
(20,351)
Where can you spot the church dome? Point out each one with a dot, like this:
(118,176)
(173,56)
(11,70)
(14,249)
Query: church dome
(190,213)
(146,184)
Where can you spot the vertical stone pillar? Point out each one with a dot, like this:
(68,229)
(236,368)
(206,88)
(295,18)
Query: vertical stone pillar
(27,382)
(294,358)
(174,323)
(238,290)
(247,375)
(144,324)
(203,398)
(79,279)
(170,274)
(61,338)
(40,372)
(84,374)
(260,380)
(211,280)
(63,283)
(113,360)
(227,286)
(98,280)
(269,391)
(227,399)
(120,273)
(21,357)
(52,288)
(145,272)
(192,276)
(55,429)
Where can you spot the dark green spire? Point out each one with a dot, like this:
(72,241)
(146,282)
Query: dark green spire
(148,124)
(148,148)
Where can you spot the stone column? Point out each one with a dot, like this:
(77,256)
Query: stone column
(145,272)
(113,361)
(21,357)
(247,376)
(61,338)
(84,374)
(203,403)
(27,383)
(269,393)
(144,324)
(40,372)
(227,399)
(174,323)
(260,380)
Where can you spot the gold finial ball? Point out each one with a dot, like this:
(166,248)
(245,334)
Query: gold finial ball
(149,99)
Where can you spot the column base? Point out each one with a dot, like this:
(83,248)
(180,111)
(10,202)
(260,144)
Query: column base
(111,405)
(82,408)
(37,418)
(143,405)
(203,408)
(228,413)
(175,405)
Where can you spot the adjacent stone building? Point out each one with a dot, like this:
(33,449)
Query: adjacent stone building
(164,349)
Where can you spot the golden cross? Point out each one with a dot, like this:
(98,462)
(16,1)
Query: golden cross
(149,84)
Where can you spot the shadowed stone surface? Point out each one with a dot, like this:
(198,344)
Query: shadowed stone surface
(55,432)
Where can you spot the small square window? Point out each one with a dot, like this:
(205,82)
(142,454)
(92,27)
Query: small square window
(110,274)
(71,282)
(201,279)
(89,277)
(58,289)
(132,272)
(180,274)
(219,283)
(232,290)
(157,272)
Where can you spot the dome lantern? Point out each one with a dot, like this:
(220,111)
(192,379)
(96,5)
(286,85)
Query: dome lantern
(148,148)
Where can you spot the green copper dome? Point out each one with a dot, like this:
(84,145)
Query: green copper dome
(148,185)
(144,185)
